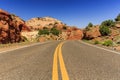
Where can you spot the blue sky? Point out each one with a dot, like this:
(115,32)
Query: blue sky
(72,12)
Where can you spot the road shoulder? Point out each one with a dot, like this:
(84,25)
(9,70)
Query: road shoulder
(16,47)
(99,47)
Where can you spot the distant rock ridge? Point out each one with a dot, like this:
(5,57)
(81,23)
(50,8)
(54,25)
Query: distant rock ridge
(68,32)
(45,22)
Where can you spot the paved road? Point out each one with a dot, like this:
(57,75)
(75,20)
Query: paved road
(71,60)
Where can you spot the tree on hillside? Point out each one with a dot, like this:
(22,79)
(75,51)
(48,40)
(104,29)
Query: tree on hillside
(105,27)
(104,30)
(117,18)
(89,26)
(108,23)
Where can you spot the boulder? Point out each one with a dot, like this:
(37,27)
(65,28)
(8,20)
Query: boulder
(92,33)
(74,34)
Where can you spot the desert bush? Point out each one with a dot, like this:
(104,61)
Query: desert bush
(104,30)
(117,18)
(108,43)
(108,23)
(89,26)
(96,42)
(54,31)
(44,31)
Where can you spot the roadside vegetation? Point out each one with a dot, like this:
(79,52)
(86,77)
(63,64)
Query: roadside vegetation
(109,30)
(105,27)
(108,43)
(96,42)
(15,45)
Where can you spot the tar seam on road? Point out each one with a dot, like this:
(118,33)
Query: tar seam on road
(58,54)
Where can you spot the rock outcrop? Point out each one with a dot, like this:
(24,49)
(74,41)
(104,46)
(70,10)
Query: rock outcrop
(74,34)
(92,33)
(10,27)
(67,32)
(45,22)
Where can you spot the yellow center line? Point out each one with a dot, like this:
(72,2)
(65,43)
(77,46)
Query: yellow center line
(62,65)
(55,65)
(58,54)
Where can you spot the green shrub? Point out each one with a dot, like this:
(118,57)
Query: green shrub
(104,30)
(44,31)
(89,26)
(117,18)
(54,31)
(108,43)
(108,23)
(96,42)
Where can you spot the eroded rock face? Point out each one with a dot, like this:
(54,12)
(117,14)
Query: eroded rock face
(67,32)
(10,27)
(74,34)
(92,33)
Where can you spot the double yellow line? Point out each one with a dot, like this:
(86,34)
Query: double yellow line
(58,55)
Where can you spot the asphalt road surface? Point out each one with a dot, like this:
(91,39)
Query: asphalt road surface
(57,60)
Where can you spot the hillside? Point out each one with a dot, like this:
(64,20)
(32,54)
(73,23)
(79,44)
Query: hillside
(45,22)
(106,34)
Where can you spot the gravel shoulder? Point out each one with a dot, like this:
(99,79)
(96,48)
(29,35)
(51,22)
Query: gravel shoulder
(10,47)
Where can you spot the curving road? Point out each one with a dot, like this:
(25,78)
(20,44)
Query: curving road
(69,60)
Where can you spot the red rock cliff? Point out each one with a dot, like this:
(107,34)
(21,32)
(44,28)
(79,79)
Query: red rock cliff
(10,28)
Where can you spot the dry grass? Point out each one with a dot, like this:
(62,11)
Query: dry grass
(4,47)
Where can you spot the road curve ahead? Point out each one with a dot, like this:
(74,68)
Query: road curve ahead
(56,60)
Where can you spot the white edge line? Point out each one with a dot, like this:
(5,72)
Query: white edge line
(100,47)
(21,47)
